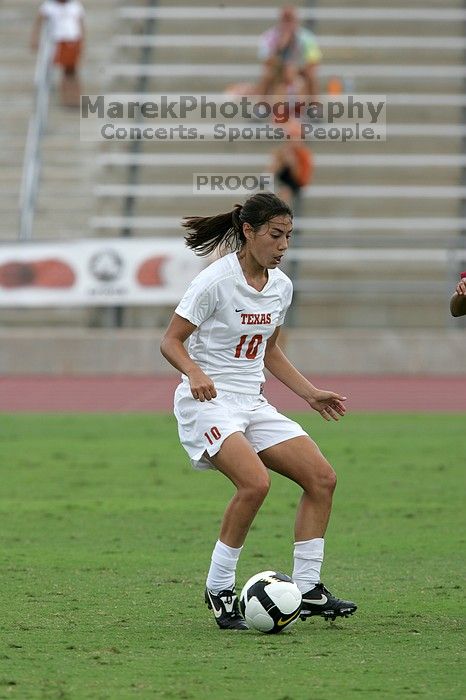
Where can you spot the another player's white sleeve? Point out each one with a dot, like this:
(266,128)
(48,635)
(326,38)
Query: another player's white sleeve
(287,297)
(199,301)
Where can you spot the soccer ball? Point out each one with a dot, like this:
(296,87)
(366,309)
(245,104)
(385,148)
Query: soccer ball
(270,601)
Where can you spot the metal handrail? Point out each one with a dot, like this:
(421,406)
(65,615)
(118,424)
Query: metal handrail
(36,128)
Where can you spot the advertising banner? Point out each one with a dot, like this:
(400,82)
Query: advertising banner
(96,272)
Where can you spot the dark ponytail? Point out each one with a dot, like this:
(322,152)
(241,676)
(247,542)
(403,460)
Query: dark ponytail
(206,233)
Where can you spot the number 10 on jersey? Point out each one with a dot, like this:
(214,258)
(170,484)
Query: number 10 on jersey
(251,348)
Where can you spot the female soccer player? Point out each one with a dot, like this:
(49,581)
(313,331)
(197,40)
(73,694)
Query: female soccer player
(232,313)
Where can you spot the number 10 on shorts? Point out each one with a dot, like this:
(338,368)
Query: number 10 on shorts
(215,433)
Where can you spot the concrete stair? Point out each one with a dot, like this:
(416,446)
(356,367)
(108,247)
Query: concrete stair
(424,118)
(67,162)
(425,111)
(66,189)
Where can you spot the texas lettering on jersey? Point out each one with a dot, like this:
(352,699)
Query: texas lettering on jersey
(256,319)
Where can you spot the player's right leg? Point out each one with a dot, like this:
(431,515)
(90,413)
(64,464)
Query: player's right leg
(238,461)
(212,433)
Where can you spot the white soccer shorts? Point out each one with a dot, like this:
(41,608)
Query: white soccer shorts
(203,426)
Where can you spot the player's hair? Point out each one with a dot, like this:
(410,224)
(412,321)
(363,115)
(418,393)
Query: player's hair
(206,233)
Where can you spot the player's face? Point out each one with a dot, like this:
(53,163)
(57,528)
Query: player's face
(270,242)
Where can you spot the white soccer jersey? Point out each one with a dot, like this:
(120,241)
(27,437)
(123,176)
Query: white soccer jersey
(234,322)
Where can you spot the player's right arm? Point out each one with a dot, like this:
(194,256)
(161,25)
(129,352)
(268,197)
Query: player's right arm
(173,349)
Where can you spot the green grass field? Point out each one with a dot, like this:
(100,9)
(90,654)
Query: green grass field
(107,533)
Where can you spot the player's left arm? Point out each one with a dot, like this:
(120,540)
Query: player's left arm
(329,404)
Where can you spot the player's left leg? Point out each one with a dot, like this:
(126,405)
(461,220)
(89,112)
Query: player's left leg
(300,460)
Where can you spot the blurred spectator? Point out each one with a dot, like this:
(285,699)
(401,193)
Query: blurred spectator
(286,50)
(66,18)
(458,300)
(293,165)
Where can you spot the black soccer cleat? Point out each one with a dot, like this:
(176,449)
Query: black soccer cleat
(225,606)
(319,601)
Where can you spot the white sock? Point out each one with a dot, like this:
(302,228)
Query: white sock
(308,558)
(222,570)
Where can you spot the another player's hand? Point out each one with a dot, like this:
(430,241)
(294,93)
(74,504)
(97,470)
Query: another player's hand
(202,386)
(328,404)
(461,288)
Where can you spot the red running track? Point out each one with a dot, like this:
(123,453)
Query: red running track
(152,393)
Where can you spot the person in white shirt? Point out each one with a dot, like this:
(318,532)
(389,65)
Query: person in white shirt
(66,19)
(231,316)
(290,54)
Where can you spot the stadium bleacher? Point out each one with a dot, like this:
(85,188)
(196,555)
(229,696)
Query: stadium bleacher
(404,194)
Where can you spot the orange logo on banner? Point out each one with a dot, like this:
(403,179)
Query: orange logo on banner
(149,273)
(40,273)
